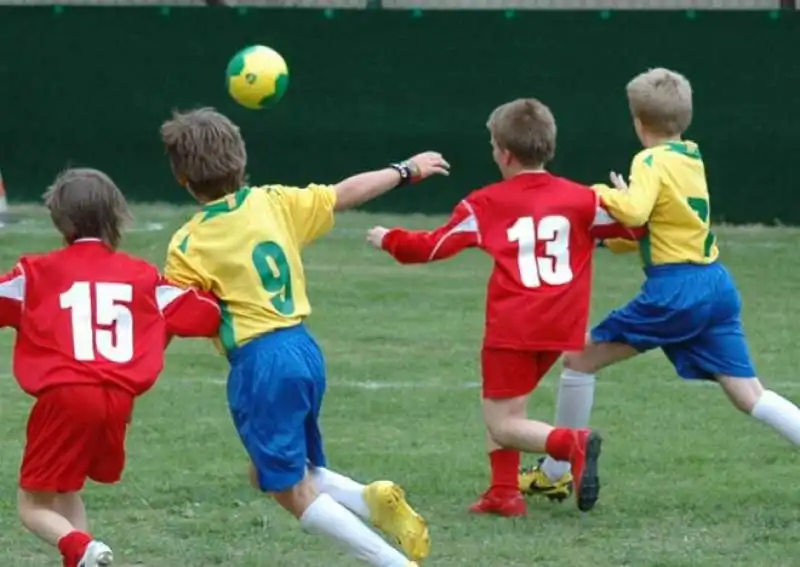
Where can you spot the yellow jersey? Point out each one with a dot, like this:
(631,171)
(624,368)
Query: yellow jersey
(667,191)
(246,249)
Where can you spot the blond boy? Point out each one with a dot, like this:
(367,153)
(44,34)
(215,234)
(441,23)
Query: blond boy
(689,305)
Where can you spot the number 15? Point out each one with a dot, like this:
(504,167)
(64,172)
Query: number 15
(111,310)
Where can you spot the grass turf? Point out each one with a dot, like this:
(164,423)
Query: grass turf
(687,480)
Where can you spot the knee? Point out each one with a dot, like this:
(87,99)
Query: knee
(500,429)
(744,393)
(579,362)
(298,498)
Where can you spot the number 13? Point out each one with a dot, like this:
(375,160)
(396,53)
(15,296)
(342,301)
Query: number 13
(553,268)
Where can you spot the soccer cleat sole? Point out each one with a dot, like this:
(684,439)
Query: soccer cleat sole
(557,498)
(589,483)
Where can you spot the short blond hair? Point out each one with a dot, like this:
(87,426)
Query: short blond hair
(662,101)
(526,128)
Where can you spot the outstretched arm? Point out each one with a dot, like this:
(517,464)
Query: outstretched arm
(12,296)
(187,312)
(419,246)
(613,235)
(366,186)
(632,203)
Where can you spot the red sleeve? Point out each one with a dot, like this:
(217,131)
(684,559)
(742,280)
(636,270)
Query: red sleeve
(12,297)
(188,312)
(605,226)
(419,246)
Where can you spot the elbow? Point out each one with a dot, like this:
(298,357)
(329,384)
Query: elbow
(347,196)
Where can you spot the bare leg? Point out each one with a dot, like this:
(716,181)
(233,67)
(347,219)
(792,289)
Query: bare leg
(39,514)
(70,505)
(750,397)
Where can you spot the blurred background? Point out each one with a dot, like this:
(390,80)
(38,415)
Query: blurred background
(89,82)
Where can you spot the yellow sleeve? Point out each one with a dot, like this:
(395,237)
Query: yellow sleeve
(633,207)
(621,245)
(310,209)
(179,269)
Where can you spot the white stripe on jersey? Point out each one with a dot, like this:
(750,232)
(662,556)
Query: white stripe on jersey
(469,224)
(166,294)
(13,288)
(602,218)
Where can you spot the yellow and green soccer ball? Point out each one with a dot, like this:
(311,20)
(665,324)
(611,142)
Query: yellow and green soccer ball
(257,77)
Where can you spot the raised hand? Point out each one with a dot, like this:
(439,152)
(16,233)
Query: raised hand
(427,164)
(618,181)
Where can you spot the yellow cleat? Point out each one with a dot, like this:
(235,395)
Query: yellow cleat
(391,514)
(533,481)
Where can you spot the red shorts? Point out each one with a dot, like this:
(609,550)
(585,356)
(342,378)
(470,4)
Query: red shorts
(511,373)
(75,433)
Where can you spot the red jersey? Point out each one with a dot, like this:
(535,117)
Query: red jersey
(88,315)
(541,231)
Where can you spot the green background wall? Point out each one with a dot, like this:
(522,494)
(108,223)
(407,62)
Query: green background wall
(90,86)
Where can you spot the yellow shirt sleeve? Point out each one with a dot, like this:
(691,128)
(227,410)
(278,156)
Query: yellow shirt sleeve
(179,269)
(633,207)
(310,209)
(621,245)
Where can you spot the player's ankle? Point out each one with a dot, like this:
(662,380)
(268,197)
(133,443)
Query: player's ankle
(559,443)
(73,545)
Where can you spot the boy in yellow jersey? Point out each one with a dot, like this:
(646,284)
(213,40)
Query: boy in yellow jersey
(245,246)
(688,305)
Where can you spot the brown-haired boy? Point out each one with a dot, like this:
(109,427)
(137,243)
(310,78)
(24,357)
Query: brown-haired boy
(92,324)
(689,305)
(245,245)
(540,230)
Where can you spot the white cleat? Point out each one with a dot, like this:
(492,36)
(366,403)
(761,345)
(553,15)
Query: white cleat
(97,554)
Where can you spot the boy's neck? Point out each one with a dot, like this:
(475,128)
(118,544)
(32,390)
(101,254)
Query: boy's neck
(651,141)
(513,171)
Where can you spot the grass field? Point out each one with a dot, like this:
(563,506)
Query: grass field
(687,480)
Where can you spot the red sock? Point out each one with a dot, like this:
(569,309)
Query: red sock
(72,547)
(560,443)
(505,467)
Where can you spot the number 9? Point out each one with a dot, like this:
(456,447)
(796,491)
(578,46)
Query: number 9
(276,276)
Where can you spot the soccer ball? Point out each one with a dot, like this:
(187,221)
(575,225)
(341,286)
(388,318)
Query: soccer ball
(257,77)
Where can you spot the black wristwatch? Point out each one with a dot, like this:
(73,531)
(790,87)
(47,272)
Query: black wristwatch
(409,172)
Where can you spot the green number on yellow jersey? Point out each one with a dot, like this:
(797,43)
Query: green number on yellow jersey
(700,206)
(276,277)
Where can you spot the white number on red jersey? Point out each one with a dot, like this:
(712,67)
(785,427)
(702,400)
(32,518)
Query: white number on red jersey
(105,328)
(553,268)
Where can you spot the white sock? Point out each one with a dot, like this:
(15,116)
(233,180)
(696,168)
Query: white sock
(327,517)
(780,414)
(344,490)
(573,409)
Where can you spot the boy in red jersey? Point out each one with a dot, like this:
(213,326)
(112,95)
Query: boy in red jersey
(541,232)
(92,324)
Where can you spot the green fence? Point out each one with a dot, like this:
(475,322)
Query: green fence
(90,86)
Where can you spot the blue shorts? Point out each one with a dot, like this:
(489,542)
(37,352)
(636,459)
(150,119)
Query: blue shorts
(692,312)
(275,390)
